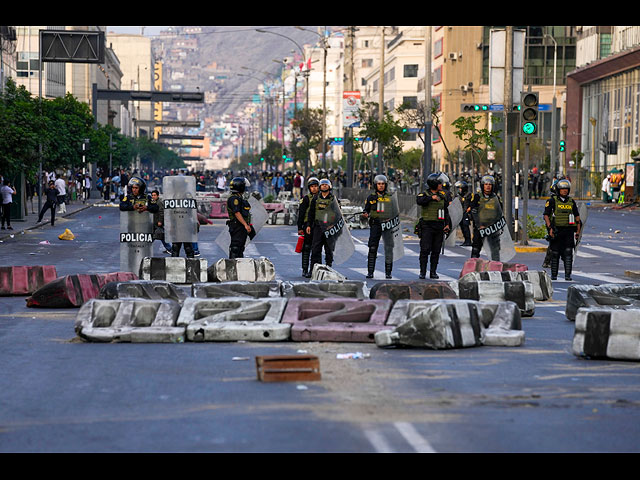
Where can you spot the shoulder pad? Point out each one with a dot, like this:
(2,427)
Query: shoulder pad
(547,203)
(124,199)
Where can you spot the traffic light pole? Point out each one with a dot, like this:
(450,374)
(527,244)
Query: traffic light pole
(524,239)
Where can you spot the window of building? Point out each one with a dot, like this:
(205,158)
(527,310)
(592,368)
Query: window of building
(437,48)
(605,44)
(367,62)
(411,102)
(437,76)
(410,71)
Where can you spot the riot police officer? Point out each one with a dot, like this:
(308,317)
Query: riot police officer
(239,222)
(320,211)
(303,221)
(562,218)
(462,189)
(136,198)
(481,206)
(377,209)
(434,223)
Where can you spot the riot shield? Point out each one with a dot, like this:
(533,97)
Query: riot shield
(258,219)
(180,209)
(455,213)
(336,231)
(136,239)
(584,213)
(392,230)
(497,243)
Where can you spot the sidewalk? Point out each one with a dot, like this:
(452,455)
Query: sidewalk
(30,221)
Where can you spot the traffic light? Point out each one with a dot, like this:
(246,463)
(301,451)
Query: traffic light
(562,145)
(473,107)
(529,114)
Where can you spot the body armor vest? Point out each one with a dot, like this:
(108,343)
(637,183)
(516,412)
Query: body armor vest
(381,207)
(563,213)
(434,210)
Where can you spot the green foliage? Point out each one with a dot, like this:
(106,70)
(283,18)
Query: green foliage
(477,140)
(534,229)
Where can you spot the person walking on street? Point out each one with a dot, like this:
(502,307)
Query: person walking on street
(562,219)
(483,207)
(463,192)
(277,183)
(62,194)
(6,192)
(52,200)
(606,187)
(433,224)
(303,223)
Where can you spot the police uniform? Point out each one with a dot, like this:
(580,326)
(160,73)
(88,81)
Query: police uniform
(130,202)
(434,217)
(484,209)
(563,217)
(378,208)
(236,203)
(465,222)
(320,211)
(303,222)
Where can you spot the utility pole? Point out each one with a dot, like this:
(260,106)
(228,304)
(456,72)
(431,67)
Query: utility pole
(381,99)
(426,161)
(507,170)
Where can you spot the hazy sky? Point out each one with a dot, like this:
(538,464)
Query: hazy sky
(136,30)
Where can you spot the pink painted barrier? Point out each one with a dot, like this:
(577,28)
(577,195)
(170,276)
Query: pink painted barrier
(24,280)
(336,319)
(74,290)
(480,265)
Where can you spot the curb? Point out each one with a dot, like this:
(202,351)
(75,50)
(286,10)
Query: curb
(534,247)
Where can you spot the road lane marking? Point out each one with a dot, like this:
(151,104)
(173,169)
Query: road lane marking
(411,435)
(378,442)
(612,251)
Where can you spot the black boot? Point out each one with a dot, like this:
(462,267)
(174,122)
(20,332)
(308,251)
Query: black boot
(371,261)
(568,263)
(306,255)
(555,263)
(432,273)
(175,250)
(475,252)
(387,270)
(546,263)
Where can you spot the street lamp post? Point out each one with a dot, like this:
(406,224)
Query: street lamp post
(554,156)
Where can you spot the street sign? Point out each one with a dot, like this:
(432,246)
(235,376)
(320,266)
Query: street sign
(350,109)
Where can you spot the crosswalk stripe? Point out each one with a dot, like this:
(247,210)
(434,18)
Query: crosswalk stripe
(416,272)
(612,251)
(599,276)
(377,274)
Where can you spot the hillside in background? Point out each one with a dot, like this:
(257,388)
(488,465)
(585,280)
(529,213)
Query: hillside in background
(220,56)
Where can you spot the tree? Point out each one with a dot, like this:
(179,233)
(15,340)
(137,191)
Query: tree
(21,127)
(387,131)
(477,140)
(307,130)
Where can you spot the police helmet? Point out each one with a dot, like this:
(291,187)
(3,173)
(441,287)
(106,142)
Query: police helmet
(313,181)
(380,179)
(462,186)
(326,181)
(433,181)
(444,179)
(563,184)
(138,182)
(238,185)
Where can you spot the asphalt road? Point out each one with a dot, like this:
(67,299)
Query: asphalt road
(59,394)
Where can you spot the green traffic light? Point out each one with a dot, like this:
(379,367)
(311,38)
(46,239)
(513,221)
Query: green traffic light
(529,128)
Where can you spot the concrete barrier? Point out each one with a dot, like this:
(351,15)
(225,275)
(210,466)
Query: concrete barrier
(174,269)
(242,269)
(281,218)
(606,333)
(540,280)
(519,292)
(422,290)
(336,319)
(325,289)
(480,265)
(444,324)
(74,290)
(612,296)
(147,289)
(24,280)
(233,319)
(324,272)
(129,320)
(236,289)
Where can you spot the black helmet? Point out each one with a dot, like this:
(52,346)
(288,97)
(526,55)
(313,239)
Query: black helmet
(238,185)
(562,184)
(444,179)
(313,181)
(433,181)
(139,182)
(462,186)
